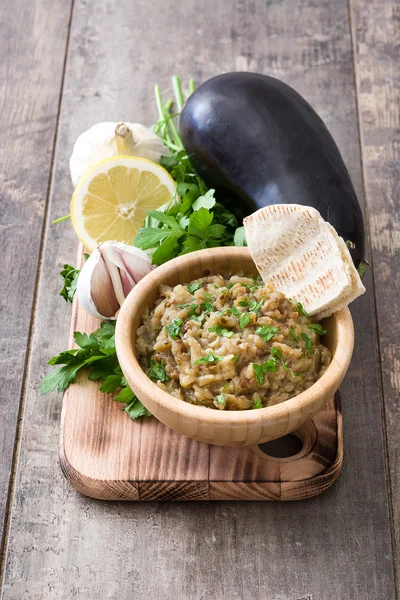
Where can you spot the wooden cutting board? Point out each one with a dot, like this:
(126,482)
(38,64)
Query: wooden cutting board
(105,455)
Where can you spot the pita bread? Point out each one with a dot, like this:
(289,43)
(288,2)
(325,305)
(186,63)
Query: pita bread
(303,256)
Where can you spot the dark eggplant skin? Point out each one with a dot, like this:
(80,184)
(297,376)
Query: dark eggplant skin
(258,142)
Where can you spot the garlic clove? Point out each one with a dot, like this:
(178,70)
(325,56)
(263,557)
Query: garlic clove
(108,276)
(107,139)
(137,264)
(94,290)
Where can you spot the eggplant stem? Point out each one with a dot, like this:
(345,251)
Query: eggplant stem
(64,218)
(176,84)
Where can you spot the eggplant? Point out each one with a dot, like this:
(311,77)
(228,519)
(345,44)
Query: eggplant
(258,142)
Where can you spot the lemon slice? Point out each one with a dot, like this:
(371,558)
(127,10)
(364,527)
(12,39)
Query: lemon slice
(112,198)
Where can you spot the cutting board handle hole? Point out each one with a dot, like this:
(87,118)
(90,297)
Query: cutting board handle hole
(284,447)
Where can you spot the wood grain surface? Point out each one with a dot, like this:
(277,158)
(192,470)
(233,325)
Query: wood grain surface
(376,35)
(106,456)
(30,84)
(337,546)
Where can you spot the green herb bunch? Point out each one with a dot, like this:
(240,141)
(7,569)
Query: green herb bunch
(193,220)
(97,356)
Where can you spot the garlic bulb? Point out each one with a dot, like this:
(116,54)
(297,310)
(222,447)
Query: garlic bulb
(111,139)
(107,277)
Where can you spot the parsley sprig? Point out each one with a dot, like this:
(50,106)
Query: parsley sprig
(97,356)
(70,276)
(269,366)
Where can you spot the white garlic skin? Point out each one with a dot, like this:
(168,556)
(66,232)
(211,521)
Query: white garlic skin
(101,142)
(107,277)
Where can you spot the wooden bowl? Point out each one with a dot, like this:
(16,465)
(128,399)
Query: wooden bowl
(226,428)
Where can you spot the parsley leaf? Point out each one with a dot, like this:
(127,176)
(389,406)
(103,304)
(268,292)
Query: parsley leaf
(206,201)
(70,276)
(308,342)
(295,374)
(235,311)
(244,320)
(111,383)
(135,409)
(259,373)
(210,358)
(258,403)
(199,223)
(301,309)
(193,287)
(294,336)
(239,238)
(254,306)
(157,371)
(174,328)
(278,354)
(269,366)
(267,332)
(235,358)
(207,307)
(221,331)
(220,401)
(317,328)
(208,297)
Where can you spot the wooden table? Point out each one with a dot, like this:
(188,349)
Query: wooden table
(66,65)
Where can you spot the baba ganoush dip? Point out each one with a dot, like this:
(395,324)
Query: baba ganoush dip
(230,343)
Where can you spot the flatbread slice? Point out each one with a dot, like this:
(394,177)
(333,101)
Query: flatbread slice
(303,256)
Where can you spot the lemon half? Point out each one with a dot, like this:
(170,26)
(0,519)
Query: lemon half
(112,198)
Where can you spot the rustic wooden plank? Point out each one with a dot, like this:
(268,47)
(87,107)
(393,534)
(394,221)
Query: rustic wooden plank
(334,546)
(376,35)
(32,48)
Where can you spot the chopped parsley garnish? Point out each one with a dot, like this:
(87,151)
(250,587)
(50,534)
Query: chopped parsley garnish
(193,287)
(221,331)
(208,297)
(294,336)
(235,358)
(198,318)
(301,309)
(317,328)
(254,306)
(269,366)
(267,332)
(235,311)
(278,354)
(220,400)
(253,288)
(295,374)
(258,403)
(210,358)
(244,320)
(243,302)
(174,328)
(157,371)
(308,342)
(230,286)
(207,307)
